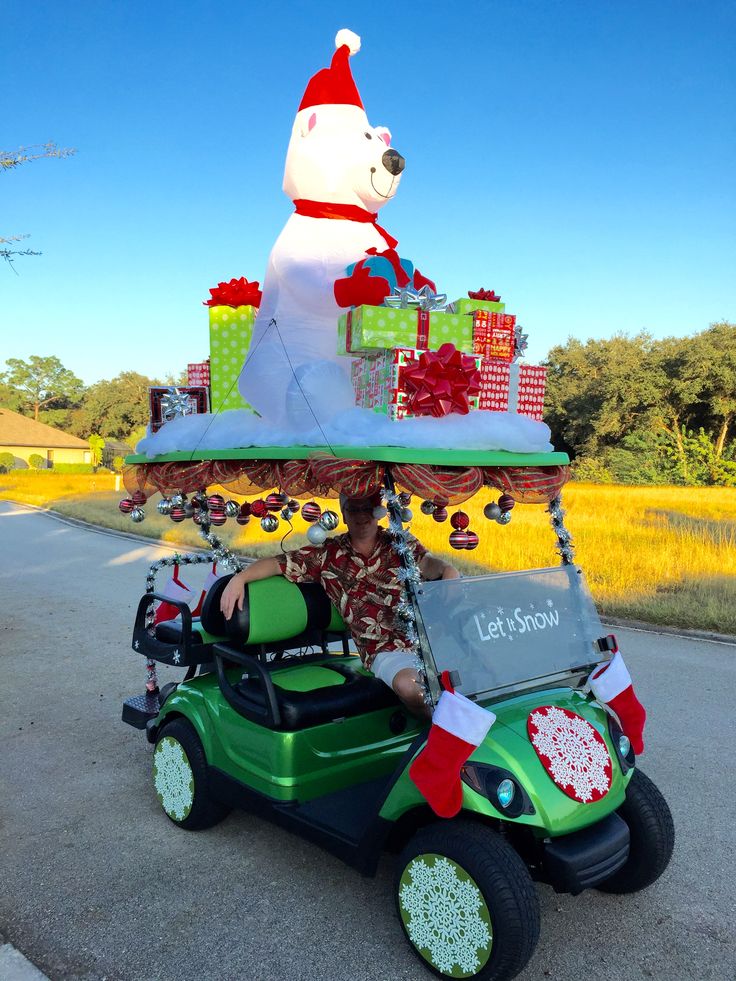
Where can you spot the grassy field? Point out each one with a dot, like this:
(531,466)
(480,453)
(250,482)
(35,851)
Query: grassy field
(666,555)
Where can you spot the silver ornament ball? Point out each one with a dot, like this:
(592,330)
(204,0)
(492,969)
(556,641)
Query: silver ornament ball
(178,500)
(504,518)
(492,511)
(427,507)
(137,515)
(329,520)
(232,509)
(316,534)
(269,523)
(406,515)
(164,506)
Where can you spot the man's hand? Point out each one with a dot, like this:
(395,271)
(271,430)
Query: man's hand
(233,595)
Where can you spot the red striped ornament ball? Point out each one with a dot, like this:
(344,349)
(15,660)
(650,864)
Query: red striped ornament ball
(216,502)
(126,505)
(138,498)
(473,540)
(311,511)
(217,517)
(177,514)
(460,520)
(440,514)
(506,503)
(459,539)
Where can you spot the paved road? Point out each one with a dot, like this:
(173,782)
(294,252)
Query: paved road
(96,883)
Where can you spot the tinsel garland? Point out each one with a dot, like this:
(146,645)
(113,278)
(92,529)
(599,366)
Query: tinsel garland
(409,575)
(565,546)
(220,553)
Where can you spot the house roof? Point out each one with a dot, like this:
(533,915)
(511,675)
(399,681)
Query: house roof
(18,430)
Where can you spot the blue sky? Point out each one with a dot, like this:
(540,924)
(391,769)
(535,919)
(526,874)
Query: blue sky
(577,157)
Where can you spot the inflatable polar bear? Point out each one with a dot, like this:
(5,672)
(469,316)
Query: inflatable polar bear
(339,171)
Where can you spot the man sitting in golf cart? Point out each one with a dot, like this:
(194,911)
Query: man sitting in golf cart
(359,572)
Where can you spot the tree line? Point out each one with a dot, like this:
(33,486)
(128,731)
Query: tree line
(640,410)
(626,409)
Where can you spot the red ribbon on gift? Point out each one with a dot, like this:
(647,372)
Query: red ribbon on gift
(236,293)
(440,382)
(490,295)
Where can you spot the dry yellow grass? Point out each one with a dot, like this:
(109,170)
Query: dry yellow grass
(662,554)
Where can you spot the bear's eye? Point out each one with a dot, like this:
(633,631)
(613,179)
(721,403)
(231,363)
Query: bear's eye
(369,136)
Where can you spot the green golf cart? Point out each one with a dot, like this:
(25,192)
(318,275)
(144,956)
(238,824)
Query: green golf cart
(276,715)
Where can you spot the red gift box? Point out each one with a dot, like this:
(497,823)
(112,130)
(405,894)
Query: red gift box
(512,387)
(197,397)
(493,334)
(198,374)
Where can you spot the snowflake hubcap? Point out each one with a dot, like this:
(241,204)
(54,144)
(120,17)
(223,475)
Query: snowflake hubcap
(445,915)
(572,752)
(173,778)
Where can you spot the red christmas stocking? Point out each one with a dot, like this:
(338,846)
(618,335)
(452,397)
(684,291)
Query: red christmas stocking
(209,582)
(612,686)
(458,727)
(174,589)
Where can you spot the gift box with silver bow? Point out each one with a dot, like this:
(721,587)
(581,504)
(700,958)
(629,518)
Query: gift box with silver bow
(368,328)
(170,402)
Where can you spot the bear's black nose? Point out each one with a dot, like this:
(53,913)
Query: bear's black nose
(393,162)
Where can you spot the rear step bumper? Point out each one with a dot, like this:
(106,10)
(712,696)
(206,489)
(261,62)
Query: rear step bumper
(585,858)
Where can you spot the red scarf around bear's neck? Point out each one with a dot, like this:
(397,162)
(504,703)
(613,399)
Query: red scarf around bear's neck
(342,212)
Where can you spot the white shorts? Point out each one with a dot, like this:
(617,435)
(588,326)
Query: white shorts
(387,665)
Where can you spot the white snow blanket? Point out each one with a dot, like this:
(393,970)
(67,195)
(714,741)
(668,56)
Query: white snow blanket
(239,429)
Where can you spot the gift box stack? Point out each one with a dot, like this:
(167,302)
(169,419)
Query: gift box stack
(232,312)
(389,343)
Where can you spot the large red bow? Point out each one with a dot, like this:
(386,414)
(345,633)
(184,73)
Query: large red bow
(236,293)
(440,382)
(484,295)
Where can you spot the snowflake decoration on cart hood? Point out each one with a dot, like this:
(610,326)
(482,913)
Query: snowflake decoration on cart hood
(445,915)
(572,752)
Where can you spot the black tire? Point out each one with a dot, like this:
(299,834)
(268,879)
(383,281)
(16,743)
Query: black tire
(181,780)
(509,907)
(652,837)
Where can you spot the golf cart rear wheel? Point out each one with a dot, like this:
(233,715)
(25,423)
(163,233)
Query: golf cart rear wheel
(466,902)
(652,838)
(180,778)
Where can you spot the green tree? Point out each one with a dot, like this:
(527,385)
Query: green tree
(36,461)
(42,382)
(600,390)
(96,446)
(113,407)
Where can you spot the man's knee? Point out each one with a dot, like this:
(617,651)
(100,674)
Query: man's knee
(408,688)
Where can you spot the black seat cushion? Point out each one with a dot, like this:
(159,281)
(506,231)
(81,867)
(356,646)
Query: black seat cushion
(170,632)
(302,709)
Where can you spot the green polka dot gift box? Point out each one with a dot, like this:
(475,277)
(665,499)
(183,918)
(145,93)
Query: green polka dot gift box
(232,307)
(369,328)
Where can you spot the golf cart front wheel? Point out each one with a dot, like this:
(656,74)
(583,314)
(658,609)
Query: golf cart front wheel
(466,902)
(181,780)
(652,837)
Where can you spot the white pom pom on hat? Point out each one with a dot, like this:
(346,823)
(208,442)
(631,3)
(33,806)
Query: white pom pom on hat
(344,36)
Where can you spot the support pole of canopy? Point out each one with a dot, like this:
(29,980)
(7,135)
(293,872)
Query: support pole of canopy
(564,539)
(408,615)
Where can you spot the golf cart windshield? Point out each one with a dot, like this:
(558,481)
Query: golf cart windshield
(509,631)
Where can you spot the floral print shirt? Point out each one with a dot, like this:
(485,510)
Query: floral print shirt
(365,589)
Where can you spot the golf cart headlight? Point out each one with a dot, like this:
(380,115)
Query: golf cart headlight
(505,792)
(624,745)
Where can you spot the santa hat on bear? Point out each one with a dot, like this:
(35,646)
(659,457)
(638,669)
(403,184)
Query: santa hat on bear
(334,86)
